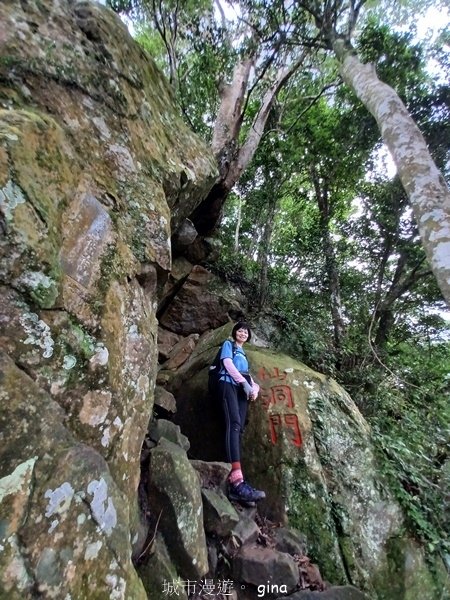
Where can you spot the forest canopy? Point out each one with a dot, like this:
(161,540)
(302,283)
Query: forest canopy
(345,260)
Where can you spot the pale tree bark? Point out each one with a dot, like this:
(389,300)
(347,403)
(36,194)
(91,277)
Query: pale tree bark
(232,157)
(229,118)
(246,152)
(224,145)
(427,191)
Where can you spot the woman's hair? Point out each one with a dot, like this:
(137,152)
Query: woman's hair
(241,325)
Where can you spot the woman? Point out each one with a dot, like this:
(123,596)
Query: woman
(236,388)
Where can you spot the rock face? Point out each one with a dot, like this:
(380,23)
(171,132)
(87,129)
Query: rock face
(97,170)
(321,468)
(200,304)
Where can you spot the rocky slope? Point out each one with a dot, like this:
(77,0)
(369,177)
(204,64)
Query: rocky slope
(308,446)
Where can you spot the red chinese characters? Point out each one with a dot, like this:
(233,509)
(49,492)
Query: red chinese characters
(265,374)
(290,422)
(279,396)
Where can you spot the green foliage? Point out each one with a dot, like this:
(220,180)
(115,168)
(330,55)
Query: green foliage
(152,43)
(412,430)
(399,62)
(189,46)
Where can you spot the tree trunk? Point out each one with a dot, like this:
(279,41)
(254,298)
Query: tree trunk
(330,266)
(263,253)
(334,290)
(229,118)
(166,23)
(402,282)
(233,159)
(251,143)
(424,184)
(238,224)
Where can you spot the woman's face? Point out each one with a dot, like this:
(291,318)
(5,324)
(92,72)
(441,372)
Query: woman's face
(241,335)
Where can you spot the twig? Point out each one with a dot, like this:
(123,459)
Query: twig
(144,552)
(374,352)
(314,99)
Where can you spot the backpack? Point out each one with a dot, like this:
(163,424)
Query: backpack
(214,370)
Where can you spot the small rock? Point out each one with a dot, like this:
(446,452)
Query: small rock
(256,565)
(246,531)
(219,516)
(166,429)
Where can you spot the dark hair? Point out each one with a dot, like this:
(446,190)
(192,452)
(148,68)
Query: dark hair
(241,325)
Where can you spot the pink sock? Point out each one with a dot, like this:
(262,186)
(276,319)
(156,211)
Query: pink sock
(235,476)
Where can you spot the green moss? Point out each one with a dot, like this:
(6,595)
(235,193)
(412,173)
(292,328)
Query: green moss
(348,552)
(85,340)
(39,281)
(406,576)
(310,514)
(141,224)
(110,268)
(9,61)
(44,291)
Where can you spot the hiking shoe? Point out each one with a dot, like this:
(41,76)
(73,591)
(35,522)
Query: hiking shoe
(258,493)
(244,493)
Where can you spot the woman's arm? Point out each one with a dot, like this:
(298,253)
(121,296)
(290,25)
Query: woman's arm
(233,372)
(238,378)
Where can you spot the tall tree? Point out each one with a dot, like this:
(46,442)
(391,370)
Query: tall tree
(424,184)
(270,56)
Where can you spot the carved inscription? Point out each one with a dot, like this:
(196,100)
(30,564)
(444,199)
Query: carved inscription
(279,395)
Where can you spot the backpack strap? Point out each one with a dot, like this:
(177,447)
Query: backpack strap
(234,351)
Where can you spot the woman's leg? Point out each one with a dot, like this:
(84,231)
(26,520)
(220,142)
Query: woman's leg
(233,425)
(243,407)
(235,406)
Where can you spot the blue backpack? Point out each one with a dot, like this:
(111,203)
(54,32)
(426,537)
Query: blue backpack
(214,371)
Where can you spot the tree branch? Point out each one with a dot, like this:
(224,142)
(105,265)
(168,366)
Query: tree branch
(255,134)
(314,99)
(222,13)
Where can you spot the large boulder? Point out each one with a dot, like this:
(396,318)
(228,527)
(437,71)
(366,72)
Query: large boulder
(64,523)
(202,303)
(219,514)
(158,573)
(341,592)
(175,493)
(97,170)
(308,446)
(319,468)
(254,564)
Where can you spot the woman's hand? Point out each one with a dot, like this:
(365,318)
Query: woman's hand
(248,389)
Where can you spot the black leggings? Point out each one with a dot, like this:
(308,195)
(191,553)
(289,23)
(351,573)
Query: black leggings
(234,404)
